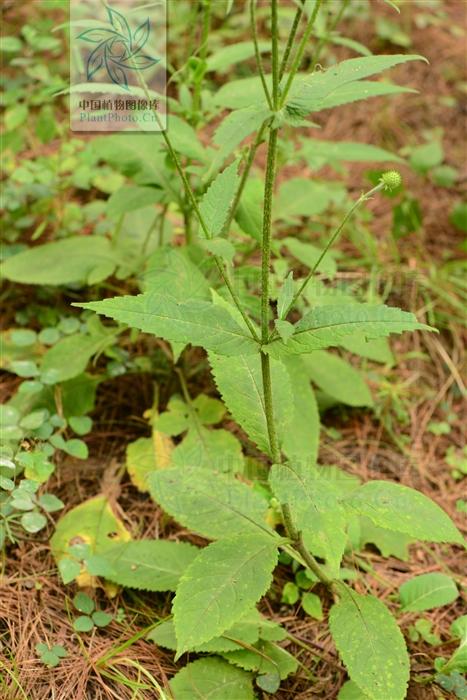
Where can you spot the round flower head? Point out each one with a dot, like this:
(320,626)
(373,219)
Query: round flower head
(391,180)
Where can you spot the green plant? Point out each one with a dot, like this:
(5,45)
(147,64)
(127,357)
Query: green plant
(91,617)
(255,352)
(51,656)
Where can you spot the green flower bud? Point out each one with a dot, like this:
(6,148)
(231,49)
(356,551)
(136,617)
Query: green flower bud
(391,180)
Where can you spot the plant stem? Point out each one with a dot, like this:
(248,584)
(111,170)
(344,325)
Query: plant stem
(190,194)
(268,408)
(259,62)
(335,235)
(206,9)
(298,543)
(290,41)
(301,50)
(275,55)
(244,177)
(266,238)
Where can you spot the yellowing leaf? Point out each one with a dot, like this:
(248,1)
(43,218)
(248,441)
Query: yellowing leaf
(145,455)
(92,523)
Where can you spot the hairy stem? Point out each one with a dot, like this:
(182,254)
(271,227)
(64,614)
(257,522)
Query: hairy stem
(206,10)
(299,545)
(266,238)
(275,55)
(259,62)
(301,50)
(191,196)
(290,41)
(243,179)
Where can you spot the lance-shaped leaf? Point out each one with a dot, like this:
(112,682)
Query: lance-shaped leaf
(311,92)
(315,508)
(116,74)
(399,508)
(363,90)
(95,61)
(137,62)
(210,504)
(194,321)
(222,583)
(141,36)
(98,35)
(240,383)
(150,565)
(119,23)
(371,645)
(212,679)
(325,326)
(217,200)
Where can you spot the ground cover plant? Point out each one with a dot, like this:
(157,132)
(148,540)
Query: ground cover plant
(197,261)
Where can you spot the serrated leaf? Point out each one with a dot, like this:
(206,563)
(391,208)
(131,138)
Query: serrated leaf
(427,591)
(217,450)
(212,679)
(315,509)
(150,565)
(300,438)
(68,261)
(249,214)
(172,272)
(325,326)
(337,378)
(185,140)
(216,201)
(403,509)
(285,296)
(320,90)
(389,543)
(223,582)
(247,630)
(240,384)
(193,321)
(92,523)
(285,329)
(371,645)
(220,247)
(210,504)
(268,659)
(236,127)
(145,455)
